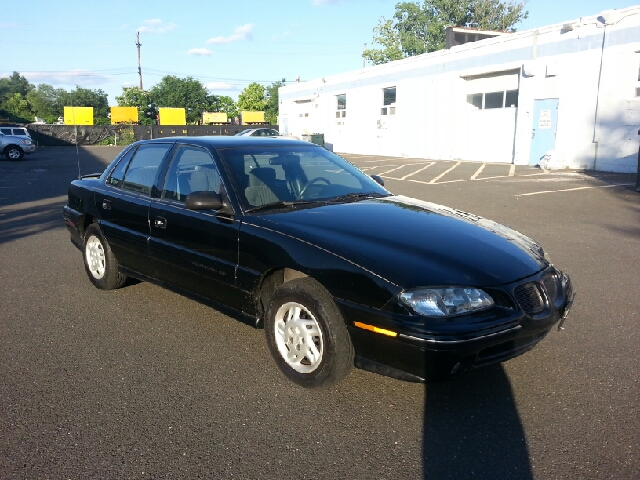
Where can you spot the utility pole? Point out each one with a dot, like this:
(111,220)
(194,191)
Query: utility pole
(365,48)
(138,44)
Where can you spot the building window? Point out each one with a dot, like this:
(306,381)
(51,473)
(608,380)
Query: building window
(502,99)
(493,100)
(341,105)
(388,101)
(475,99)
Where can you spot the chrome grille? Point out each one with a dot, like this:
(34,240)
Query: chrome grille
(529,298)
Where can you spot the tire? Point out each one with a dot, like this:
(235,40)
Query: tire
(99,261)
(13,153)
(306,334)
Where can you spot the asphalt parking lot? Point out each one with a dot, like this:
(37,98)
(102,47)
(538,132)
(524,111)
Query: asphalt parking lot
(143,383)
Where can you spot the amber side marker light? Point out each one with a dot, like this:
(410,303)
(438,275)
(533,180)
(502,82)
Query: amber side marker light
(382,331)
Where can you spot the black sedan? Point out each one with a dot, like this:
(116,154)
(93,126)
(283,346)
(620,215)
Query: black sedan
(338,271)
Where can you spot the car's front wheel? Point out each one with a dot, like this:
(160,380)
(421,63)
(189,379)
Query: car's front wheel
(99,261)
(306,334)
(13,153)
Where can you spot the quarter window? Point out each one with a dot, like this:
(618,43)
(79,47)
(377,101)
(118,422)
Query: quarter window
(341,105)
(117,175)
(192,170)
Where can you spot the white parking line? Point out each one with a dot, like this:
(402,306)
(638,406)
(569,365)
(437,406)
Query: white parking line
(417,171)
(573,189)
(475,175)
(393,170)
(444,173)
(364,169)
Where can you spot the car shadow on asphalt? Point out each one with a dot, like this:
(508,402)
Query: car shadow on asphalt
(35,188)
(472,429)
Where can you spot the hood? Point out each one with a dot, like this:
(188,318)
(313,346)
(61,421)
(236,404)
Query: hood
(414,243)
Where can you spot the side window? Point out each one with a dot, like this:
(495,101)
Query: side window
(142,171)
(117,175)
(192,170)
(6,131)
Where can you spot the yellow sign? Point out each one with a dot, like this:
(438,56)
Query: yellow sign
(78,115)
(124,115)
(172,116)
(214,117)
(252,117)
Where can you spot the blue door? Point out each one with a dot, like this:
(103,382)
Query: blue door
(545,122)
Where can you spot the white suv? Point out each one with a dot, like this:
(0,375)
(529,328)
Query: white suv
(15,146)
(21,131)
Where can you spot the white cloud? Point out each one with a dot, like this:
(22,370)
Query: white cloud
(202,52)
(156,26)
(221,86)
(244,32)
(83,78)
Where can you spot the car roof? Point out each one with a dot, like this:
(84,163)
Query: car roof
(230,141)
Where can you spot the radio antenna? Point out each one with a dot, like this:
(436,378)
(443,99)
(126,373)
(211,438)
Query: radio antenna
(75,124)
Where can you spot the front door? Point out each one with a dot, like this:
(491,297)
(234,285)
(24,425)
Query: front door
(543,135)
(196,250)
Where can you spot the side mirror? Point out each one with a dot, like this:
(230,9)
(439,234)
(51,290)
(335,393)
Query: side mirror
(203,201)
(378,180)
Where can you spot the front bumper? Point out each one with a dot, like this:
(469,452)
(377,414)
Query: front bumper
(419,348)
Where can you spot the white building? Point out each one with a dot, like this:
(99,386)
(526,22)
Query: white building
(569,91)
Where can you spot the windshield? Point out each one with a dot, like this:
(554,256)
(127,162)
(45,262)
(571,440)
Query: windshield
(289,175)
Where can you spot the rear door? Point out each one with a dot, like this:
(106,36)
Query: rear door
(194,250)
(124,202)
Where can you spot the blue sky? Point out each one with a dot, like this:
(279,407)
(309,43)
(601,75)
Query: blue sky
(225,44)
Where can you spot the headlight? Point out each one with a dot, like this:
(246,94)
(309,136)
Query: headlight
(446,302)
(26,142)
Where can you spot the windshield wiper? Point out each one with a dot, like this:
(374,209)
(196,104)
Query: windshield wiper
(349,197)
(279,204)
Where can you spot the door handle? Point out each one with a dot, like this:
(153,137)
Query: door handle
(160,222)
(106,205)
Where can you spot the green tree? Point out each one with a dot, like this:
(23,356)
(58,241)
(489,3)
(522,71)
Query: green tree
(17,109)
(16,83)
(417,29)
(271,109)
(225,104)
(47,102)
(252,98)
(84,97)
(136,97)
(186,93)
(13,98)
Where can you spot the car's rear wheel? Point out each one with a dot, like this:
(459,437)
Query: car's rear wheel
(99,261)
(306,334)
(13,153)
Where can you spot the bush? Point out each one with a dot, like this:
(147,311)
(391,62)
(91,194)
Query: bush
(125,136)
